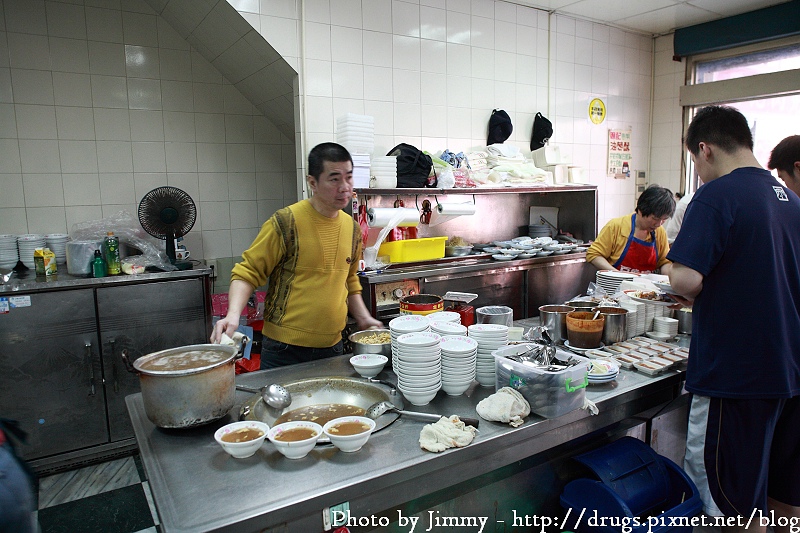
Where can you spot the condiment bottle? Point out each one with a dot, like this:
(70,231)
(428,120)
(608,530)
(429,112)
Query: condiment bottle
(113,264)
(98,265)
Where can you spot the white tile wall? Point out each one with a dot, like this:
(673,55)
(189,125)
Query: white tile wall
(101,102)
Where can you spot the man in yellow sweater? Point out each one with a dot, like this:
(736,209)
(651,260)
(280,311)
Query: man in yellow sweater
(308,253)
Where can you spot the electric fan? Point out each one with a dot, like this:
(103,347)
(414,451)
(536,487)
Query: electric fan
(168,213)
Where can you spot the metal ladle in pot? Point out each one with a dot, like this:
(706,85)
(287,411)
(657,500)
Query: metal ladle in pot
(377,409)
(273,395)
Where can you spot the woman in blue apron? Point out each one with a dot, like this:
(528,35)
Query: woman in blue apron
(636,242)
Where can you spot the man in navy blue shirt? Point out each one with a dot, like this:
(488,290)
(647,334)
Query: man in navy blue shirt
(737,257)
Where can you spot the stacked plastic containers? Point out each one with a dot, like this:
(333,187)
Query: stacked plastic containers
(383,171)
(356,133)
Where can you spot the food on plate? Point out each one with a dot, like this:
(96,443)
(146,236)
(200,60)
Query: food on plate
(653,296)
(376,338)
(242,435)
(349,428)
(600,368)
(296,434)
(457,241)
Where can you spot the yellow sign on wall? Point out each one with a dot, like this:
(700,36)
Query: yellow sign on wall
(597,111)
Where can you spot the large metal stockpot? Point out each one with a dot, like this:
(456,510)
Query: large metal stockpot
(187,397)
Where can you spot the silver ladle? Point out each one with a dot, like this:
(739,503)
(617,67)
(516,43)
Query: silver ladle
(377,409)
(273,395)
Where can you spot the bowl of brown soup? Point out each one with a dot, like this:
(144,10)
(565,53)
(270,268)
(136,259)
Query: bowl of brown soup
(295,439)
(242,439)
(349,433)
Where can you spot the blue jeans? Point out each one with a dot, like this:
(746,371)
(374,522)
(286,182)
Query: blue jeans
(16,496)
(275,353)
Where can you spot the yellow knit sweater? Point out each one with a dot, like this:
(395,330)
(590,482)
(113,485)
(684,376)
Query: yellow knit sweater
(309,261)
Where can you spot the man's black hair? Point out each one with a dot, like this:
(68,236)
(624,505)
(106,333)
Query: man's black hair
(785,154)
(721,126)
(335,153)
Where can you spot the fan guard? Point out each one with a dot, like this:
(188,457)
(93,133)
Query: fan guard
(167,213)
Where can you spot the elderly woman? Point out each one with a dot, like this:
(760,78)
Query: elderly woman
(636,242)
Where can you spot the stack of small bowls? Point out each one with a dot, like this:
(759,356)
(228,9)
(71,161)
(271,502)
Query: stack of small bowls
(57,242)
(9,254)
(27,244)
(446,329)
(459,358)
(418,366)
(489,337)
(406,324)
(444,316)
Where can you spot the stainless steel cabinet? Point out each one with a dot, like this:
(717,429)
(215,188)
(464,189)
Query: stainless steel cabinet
(493,287)
(557,282)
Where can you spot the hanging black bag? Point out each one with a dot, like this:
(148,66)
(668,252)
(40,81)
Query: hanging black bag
(542,131)
(413,167)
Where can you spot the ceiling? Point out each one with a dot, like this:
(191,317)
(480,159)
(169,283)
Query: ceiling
(654,17)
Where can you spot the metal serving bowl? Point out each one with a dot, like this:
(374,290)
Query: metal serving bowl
(457,251)
(362,347)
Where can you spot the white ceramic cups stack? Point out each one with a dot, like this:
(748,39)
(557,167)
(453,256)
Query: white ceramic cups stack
(406,324)
(356,133)
(448,329)
(383,171)
(9,254)
(418,365)
(490,337)
(57,242)
(459,359)
(27,244)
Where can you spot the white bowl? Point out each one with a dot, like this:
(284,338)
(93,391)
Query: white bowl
(456,389)
(368,365)
(349,443)
(295,449)
(242,450)
(419,397)
(419,383)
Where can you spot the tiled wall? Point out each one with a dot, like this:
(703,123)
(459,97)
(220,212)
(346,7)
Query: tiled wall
(102,101)
(430,72)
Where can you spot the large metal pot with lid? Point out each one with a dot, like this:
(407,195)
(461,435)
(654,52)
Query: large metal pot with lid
(187,386)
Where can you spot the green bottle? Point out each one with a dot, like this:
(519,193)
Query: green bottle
(113,265)
(98,265)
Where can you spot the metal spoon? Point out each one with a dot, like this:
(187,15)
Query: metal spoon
(377,409)
(273,395)
(596,314)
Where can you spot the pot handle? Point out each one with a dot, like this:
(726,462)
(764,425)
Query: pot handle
(240,340)
(128,366)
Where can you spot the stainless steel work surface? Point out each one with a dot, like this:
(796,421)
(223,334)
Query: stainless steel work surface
(198,487)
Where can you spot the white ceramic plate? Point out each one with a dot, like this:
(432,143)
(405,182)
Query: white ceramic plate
(632,295)
(664,287)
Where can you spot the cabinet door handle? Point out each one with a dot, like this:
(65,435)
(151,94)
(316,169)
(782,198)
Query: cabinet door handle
(113,343)
(91,368)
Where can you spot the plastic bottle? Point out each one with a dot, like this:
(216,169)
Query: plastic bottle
(113,264)
(98,265)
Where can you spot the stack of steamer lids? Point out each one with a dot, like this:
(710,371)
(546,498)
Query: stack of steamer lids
(356,133)
(384,172)
(57,242)
(27,244)
(406,324)
(448,329)
(9,254)
(418,365)
(610,280)
(490,337)
(459,359)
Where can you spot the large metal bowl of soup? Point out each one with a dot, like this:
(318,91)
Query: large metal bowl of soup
(322,399)
(187,386)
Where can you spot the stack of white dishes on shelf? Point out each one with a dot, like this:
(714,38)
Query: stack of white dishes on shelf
(57,242)
(356,133)
(490,337)
(444,316)
(602,371)
(664,328)
(361,170)
(9,254)
(610,280)
(459,359)
(27,244)
(635,317)
(448,329)
(418,366)
(406,324)
(384,172)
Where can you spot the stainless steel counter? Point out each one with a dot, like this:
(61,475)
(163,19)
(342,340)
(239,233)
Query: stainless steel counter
(198,487)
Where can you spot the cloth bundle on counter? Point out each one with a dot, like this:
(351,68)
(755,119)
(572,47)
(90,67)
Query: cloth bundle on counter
(506,405)
(446,433)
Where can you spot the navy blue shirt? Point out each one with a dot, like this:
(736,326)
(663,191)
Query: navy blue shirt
(742,233)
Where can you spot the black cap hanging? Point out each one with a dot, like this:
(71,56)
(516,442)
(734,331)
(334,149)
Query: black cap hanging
(500,127)
(542,131)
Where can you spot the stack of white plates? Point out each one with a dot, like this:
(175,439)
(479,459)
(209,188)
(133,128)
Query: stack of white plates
(356,133)
(459,359)
(665,325)
(27,244)
(406,324)
(384,172)
(57,242)
(448,329)
(610,280)
(418,366)
(490,337)
(9,254)
(539,230)
(603,371)
(444,316)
